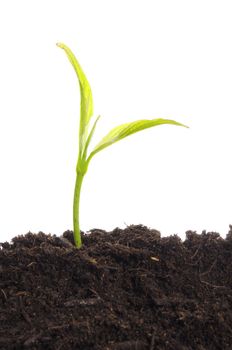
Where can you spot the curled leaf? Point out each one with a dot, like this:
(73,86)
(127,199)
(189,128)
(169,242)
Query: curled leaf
(86,105)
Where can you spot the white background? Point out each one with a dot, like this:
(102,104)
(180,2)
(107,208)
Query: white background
(143,59)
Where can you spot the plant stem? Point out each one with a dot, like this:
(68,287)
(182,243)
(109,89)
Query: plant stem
(76,207)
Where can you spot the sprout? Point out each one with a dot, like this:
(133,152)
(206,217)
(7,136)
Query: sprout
(85,136)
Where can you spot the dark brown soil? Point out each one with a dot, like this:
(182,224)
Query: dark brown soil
(123,290)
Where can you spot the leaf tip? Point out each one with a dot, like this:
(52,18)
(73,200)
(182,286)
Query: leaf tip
(60,45)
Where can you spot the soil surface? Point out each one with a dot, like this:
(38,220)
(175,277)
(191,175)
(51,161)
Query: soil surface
(123,290)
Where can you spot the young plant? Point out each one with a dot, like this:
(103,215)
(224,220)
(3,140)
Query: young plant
(85,135)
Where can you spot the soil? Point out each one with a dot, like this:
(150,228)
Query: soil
(127,289)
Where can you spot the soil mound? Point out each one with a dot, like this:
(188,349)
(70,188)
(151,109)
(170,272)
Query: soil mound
(123,290)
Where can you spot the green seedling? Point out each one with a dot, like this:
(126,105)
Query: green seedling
(85,136)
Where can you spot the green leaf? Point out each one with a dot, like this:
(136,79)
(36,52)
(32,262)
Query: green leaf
(124,130)
(86,97)
(90,137)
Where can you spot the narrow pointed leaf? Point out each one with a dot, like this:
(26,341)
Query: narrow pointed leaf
(124,130)
(86,96)
(89,139)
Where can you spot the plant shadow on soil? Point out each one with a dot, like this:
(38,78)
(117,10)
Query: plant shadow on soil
(123,290)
